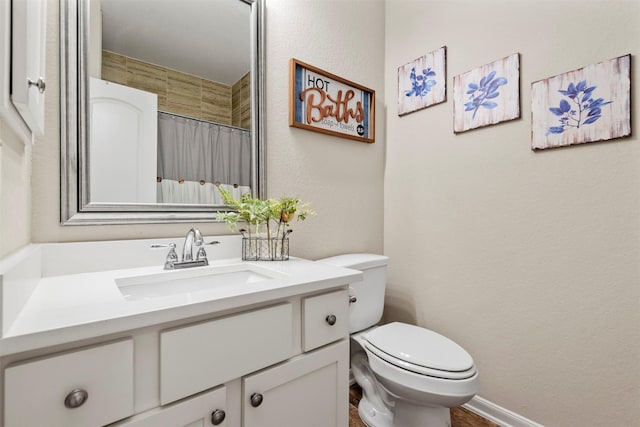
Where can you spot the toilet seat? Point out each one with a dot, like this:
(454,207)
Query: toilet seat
(413,382)
(420,351)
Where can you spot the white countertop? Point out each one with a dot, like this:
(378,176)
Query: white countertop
(71,307)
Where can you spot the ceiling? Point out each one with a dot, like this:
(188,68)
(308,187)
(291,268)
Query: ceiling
(206,38)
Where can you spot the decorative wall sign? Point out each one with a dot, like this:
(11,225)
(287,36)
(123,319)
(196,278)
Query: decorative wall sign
(487,95)
(422,83)
(585,105)
(323,102)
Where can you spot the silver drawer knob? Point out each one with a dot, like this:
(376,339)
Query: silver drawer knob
(256,400)
(40,84)
(76,398)
(331,319)
(352,299)
(217,417)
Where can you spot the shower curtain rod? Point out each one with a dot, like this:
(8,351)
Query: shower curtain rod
(203,121)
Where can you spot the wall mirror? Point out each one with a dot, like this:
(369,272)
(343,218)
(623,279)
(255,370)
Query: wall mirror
(160,102)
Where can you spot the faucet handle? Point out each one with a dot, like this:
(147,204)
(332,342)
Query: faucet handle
(202,255)
(172,256)
(163,245)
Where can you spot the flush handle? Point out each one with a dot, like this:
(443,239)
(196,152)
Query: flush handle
(256,400)
(331,319)
(76,398)
(217,417)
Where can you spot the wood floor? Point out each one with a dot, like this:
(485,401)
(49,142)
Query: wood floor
(460,417)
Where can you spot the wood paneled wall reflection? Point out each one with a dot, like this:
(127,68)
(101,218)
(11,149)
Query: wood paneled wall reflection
(241,102)
(182,93)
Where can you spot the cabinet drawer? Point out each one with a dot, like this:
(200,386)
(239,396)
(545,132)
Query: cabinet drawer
(197,357)
(320,327)
(35,392)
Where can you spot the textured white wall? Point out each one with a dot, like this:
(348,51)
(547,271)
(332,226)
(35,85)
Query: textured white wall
(15,196)
(531,261)
(342,178)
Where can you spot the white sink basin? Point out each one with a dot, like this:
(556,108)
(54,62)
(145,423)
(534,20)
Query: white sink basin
(192,281)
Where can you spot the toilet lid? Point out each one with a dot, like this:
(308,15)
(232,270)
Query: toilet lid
(415,346)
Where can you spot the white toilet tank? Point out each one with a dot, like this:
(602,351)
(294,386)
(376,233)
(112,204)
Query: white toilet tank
(367,309)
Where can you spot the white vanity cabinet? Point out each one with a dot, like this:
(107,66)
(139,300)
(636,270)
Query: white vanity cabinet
(281,362)
(310,389)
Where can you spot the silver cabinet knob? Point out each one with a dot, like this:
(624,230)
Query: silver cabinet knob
(352,299)
(217,417)
(256,400)
(76,398)
(39,84)
(331,319)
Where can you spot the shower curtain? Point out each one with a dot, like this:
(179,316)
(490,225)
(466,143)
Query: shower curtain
(197,150)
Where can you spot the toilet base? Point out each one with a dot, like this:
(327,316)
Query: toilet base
(372,416)
(409,415)
(404,415)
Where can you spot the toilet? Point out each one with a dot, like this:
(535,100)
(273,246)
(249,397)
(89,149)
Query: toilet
(410,376)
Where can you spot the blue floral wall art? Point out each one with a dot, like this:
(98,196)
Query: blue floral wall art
(481,93)
(487,95)
(585,105)
(422,83)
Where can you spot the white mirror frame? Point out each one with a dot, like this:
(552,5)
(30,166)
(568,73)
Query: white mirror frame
(75,208)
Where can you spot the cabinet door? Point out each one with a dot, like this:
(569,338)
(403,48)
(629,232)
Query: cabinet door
(310,390)
(204,410)
(28,32)
(8,112)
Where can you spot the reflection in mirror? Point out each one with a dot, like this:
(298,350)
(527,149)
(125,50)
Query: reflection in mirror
(168,116)
(168,105)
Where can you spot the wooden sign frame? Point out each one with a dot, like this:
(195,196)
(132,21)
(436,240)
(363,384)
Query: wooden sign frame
(322,102)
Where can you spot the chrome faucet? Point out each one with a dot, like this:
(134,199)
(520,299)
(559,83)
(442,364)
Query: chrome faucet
(193,240)
(194,237)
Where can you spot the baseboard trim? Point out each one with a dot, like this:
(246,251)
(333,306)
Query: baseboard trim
(498,414)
